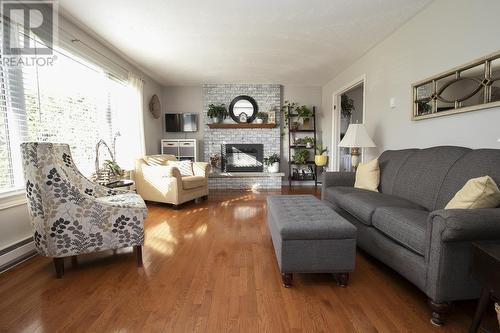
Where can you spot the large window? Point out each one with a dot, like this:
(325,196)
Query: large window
(74,101)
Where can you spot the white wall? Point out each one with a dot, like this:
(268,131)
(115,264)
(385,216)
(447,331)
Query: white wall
(446,34)
(184,99)
(14,221)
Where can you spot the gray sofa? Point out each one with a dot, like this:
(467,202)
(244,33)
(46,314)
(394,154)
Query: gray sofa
(406,226)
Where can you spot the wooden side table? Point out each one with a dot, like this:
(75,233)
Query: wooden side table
(121,183)
(486,268)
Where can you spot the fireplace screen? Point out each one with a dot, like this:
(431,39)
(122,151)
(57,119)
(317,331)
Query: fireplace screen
(242,157)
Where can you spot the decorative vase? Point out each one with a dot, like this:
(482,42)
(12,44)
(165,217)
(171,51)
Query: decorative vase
(306,123)
(258,121)
(321,160)
(274,168)
(216,120)
(309,145)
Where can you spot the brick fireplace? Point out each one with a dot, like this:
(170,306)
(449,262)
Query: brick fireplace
(268,98)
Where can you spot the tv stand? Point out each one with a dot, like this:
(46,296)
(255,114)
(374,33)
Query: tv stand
(182,149)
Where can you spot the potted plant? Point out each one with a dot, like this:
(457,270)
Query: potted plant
(261,117)
(115,169)
(301,156)
(346,106)
(217,112)
(309,141)
(305,114)
(320,159)
(288,107)
(273,163)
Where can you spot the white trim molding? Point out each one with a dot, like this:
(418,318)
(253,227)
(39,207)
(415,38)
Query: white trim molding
(16,254)
(12,199)
(361,80)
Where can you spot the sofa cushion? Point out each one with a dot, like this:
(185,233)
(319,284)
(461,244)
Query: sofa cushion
(362,203)
(368,176)
(405,226)
(154,160)
(190,182)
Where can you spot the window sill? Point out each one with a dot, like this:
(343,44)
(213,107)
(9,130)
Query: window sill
(12,199)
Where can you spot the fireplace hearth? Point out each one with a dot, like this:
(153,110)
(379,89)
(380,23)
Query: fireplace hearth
(242,157)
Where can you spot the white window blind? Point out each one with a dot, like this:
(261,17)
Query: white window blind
(74,101)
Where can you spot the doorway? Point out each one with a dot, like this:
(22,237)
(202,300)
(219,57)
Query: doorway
(348,108)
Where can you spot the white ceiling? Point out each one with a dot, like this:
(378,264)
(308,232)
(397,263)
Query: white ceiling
(299,42)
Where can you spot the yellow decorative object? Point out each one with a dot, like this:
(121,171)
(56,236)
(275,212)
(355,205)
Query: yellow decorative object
(479,192)
(321,160)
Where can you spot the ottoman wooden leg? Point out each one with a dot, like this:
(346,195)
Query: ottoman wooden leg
(287,279)
(342,279)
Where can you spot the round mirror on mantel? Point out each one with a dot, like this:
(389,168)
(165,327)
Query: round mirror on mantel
(243,109)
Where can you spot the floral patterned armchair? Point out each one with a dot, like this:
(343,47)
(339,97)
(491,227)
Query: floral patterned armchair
(72,215)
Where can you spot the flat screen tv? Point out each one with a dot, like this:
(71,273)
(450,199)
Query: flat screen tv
(181,122)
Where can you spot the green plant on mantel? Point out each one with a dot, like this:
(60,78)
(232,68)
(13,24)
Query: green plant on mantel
(262,115)
(346,106)
(301,156)
(217,111)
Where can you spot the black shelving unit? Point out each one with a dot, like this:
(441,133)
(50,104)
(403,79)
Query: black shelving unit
(292,147)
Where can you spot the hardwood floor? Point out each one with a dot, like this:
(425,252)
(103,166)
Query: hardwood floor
(210,267)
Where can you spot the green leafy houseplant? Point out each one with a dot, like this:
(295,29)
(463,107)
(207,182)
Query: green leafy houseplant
(301,156)
(424,107)
(114,167)
(218,111)
(309,141)
(320,159)
(346,106)
(262,115)
(303,112)
(320,150)
(287,108)
(271,159)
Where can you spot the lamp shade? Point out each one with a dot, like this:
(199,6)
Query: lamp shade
(356,137)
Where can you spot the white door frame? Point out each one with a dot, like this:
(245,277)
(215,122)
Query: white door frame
(335,165)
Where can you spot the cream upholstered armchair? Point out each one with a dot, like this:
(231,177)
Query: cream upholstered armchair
(162,178)
(70,214)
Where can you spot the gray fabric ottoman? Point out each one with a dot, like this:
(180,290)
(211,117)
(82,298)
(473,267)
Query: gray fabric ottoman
(310,237)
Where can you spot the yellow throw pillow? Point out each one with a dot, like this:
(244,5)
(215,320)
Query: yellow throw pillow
(368,176)
(479,192)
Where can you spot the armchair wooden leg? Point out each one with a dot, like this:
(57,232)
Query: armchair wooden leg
(138,254)
(59,266)
(176,207)
(205,197)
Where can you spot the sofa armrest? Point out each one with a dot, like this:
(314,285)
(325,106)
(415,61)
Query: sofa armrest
(201,169)
(467,224)
(336,179)
(450,234)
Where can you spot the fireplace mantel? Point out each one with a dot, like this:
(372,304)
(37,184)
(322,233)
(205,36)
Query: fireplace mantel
(242,125)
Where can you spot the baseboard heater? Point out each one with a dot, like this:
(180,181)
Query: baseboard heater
(16,254)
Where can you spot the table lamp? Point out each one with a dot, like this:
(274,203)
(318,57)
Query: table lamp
(355,138)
